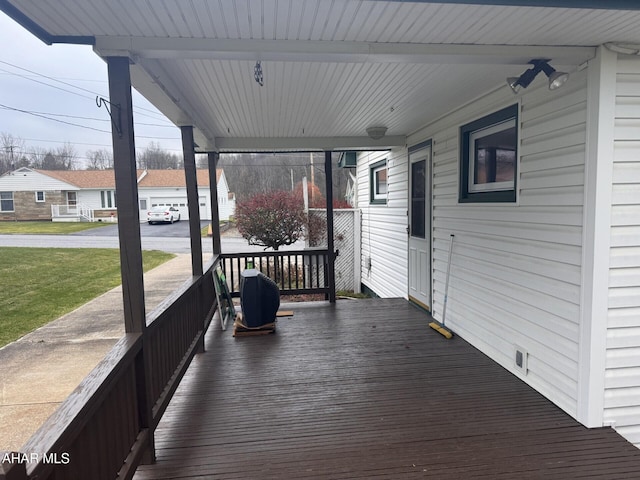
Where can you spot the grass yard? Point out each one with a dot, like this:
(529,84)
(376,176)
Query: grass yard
(47,228)
(42,284)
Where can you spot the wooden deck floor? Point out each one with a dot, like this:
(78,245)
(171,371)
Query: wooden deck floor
(365,390)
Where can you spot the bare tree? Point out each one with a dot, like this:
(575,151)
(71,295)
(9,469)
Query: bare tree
(12,150)
(154,157)
(62,158)
(99,160)
(36,156)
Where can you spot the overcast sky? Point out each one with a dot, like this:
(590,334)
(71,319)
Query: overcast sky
(61,82)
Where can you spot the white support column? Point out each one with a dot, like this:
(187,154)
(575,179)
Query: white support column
(601,92)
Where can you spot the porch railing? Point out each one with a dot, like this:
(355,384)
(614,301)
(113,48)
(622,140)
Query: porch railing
(73,211)
(104,428)
(295,271)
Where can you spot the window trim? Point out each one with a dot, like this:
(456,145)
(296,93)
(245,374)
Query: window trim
(43,196)
(499,192)
(376,197)
(12,200)
(72,202)
(108,199)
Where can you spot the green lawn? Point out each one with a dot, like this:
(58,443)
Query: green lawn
(47,228)
(42,284)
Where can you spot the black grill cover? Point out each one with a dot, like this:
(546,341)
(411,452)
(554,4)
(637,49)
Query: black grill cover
(259,298)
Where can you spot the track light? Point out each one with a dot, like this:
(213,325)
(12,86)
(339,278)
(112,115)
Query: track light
(556,79)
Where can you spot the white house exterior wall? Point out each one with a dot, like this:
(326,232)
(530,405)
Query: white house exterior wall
(384,227)
(30,181)
(516,268)
(622,378)
(91,198)
(226,206)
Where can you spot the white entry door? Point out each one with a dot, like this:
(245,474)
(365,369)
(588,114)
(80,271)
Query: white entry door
(420,226)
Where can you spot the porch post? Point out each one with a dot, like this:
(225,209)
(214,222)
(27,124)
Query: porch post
(192,199)
(215,206)
(331,258)
(124,159)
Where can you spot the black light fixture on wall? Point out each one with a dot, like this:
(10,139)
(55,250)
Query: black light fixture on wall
(556,79)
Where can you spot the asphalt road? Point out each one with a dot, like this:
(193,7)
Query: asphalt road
(165,237)
(176,230)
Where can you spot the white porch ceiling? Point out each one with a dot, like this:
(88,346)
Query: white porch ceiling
(331,67)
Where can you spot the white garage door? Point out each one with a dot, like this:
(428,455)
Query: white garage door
(181,204)
(177,202)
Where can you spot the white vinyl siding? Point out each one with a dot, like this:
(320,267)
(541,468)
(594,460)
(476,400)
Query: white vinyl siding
(622,378)
(516,268)
(384,226)
(226,205)
(27,180)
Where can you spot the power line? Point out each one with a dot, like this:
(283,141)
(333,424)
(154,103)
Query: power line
(157,114)
(97,119)
(44,76)
(35,114)
(6,107)
(91,144)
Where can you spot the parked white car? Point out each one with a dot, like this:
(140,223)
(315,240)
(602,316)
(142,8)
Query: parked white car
(163,214)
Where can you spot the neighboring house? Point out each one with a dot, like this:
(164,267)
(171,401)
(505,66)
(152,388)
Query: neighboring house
(88,195)
(168,187)
(546,250)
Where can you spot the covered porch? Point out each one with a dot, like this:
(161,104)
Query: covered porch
(344,389)
(364,389)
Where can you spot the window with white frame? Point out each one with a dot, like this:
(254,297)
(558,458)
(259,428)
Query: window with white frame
(378,182)
(72,199)
(40,197)
(489,158)
(108,199)
(6,202)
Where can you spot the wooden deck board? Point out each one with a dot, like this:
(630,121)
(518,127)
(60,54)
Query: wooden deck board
(364,389)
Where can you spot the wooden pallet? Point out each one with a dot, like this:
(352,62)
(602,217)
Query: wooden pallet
(241,330)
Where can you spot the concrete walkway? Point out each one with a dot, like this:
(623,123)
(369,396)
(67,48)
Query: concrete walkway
(42,368)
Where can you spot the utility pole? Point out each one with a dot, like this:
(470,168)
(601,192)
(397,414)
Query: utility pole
(12,164)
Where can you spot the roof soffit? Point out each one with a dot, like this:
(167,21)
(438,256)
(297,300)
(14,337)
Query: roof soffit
(331,68)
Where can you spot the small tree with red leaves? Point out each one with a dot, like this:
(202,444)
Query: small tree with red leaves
(271,219)
(314,195)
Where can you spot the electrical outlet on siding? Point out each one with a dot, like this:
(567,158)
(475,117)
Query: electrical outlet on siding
(521,359)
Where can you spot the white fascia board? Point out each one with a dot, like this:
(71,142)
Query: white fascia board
(601,91)
(333,51)
(308,143)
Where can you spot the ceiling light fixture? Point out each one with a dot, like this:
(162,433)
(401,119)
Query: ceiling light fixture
(556,79)
(376,133)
